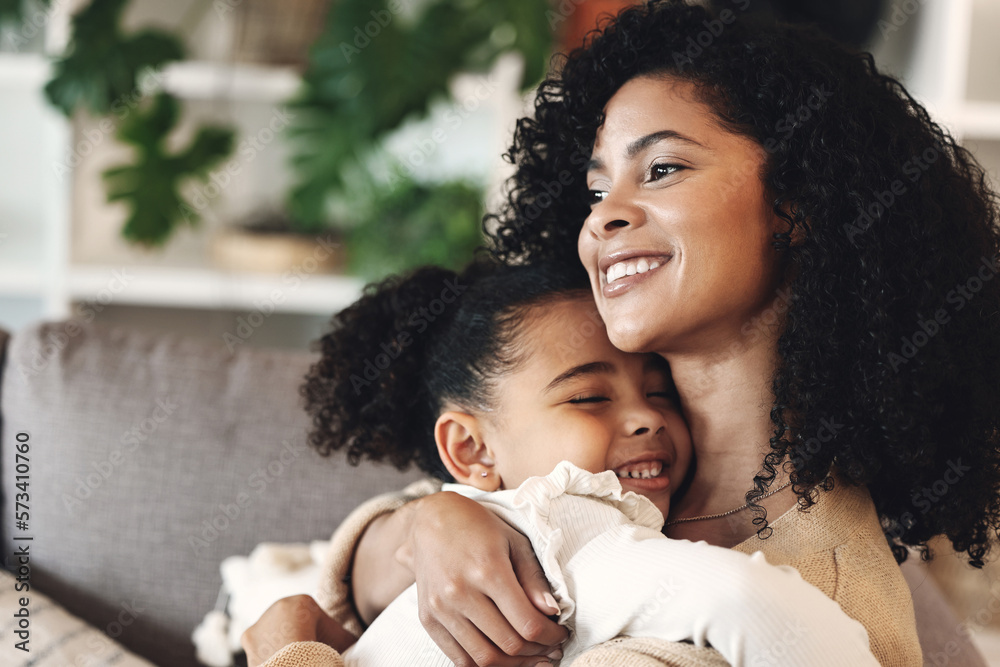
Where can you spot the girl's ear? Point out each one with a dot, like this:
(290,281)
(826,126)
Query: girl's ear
(463,452)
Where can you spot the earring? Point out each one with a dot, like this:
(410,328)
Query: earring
(484,474)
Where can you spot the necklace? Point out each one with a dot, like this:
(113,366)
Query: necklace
(733,511)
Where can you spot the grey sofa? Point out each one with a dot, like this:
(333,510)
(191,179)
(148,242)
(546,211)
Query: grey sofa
(153,457)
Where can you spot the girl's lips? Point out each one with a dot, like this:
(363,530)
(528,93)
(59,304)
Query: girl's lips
(647,485)
(646,464)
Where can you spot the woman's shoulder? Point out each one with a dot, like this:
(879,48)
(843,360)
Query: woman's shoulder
(841,515)
(838,546)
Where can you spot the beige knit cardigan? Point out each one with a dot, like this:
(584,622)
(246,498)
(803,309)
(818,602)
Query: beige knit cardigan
(837,546)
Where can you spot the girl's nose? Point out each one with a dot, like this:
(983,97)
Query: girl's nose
(643,420)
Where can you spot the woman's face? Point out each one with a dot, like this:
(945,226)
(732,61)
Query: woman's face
(678,243)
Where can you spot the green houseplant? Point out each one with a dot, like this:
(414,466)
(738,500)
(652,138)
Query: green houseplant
(103,69)
(376,65)
(17,11)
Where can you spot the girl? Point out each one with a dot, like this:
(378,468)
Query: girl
(503,380)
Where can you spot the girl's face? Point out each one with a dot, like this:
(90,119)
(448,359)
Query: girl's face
(577,398)
(678,243)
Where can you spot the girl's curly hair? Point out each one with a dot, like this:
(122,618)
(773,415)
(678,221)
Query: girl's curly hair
(414,343)
(890,352)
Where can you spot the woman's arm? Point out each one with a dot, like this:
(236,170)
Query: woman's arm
(481,587)
(377,576)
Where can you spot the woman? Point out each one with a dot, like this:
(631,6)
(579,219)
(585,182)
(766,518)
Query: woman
(825,296)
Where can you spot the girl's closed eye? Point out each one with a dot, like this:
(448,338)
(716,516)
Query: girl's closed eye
(661,394)
(583,399)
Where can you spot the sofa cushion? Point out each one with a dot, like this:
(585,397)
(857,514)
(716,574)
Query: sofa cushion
(154,457)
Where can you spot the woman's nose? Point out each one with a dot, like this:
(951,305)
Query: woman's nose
(615,212)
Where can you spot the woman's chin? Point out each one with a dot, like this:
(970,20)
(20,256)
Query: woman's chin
(632,339)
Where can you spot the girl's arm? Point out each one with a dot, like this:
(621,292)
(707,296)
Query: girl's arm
(751,612)
(481,586)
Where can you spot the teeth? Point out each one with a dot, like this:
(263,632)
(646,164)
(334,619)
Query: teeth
(630,268)
(645,470)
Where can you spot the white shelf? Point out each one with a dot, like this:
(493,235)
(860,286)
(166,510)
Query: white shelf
(187,80)
(239,82)
(21,281)
(27,70)
(979,120)
(315,294)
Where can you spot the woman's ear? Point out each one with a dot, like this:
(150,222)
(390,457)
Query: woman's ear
(463,452)
(797,234)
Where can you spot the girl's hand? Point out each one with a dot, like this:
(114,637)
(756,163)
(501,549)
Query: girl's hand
(289,620)
(482,594)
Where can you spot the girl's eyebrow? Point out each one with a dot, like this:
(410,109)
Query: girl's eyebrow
(644,142)
(593,368)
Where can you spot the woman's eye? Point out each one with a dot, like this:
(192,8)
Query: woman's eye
(661,169)
(669,395)
(596,196)
(589,399)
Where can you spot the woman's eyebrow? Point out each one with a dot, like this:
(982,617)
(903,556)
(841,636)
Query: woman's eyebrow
(644,142)
(593,368)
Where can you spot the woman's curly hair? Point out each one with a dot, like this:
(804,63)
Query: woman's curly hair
(890,352)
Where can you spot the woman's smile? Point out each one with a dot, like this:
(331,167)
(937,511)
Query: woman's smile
(622,274)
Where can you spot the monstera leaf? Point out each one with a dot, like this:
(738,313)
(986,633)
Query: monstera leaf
(103,72)
(150,187)
(375,67)
(103,65)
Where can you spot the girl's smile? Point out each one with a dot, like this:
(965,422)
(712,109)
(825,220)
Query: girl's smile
(573,396)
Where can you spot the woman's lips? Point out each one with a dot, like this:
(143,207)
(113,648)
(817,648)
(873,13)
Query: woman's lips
(633,266)
(624,274)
